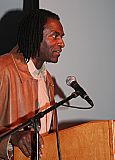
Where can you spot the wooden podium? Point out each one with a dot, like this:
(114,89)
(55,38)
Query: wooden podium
(89,141)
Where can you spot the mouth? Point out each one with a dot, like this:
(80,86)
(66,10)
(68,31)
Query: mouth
(58,51)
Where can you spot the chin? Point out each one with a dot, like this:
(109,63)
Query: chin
(53,61)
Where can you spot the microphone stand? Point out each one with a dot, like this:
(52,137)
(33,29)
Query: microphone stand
(34,121)
(36,126)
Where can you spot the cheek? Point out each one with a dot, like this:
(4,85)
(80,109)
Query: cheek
(47,47)
(44,47)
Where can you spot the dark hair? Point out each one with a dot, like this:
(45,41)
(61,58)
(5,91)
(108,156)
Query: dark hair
(30,33)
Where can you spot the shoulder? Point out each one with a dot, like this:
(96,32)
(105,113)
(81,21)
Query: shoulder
(5,60)
(5,57)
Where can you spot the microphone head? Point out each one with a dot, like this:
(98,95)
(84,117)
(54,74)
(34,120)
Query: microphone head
(69,80)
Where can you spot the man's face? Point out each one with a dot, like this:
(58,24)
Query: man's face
(52,43)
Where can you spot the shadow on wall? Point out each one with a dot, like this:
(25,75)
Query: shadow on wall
(58,91)
(8,30)
(9,25)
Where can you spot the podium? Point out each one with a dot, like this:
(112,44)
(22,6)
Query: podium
(88,141)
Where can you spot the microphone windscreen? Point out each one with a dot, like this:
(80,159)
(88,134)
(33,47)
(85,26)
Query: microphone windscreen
(70,79)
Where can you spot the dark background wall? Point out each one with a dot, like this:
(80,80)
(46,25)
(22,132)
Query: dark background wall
(9,24)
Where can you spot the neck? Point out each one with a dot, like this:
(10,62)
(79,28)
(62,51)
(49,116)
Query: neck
(37,62)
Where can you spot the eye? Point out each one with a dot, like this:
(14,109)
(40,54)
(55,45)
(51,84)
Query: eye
(55,36)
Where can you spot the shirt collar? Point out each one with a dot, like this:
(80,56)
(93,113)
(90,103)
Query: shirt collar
(34,71)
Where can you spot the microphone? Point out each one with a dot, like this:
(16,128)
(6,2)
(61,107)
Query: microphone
(71,81)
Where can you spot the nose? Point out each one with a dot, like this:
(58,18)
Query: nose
(61,43)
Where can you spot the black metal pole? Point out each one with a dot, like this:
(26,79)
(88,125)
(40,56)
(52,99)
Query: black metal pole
(35,153)
(30,4)
(58,137)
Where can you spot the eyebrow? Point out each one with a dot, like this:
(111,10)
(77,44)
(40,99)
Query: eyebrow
(59,33)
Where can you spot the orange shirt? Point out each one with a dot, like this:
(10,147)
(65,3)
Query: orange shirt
(19,90)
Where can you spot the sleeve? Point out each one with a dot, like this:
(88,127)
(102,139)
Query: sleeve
(6,148)
(3,97)
(4,144)
(3,148)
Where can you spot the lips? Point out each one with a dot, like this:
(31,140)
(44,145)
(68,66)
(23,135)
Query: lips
(58,51)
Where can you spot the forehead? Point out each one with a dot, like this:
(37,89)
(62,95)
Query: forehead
(54,25)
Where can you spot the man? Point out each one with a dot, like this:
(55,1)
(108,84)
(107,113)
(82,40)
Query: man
(25,84)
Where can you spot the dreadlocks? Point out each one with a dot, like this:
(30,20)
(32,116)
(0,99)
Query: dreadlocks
(30,33)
